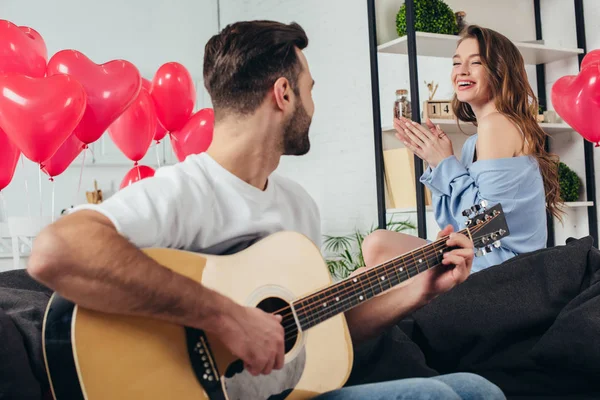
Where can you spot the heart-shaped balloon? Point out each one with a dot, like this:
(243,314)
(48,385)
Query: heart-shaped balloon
(160,132)
(64,156)
(22,51)
(9,156)
(593,57)
(576,98)
(39,114)
(133,131)
(110,89)
(135,174)
(195,136)
(174,95)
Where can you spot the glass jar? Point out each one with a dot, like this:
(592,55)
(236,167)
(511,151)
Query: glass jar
(402,105)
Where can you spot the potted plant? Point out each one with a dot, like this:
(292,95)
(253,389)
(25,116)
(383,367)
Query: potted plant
(432,16)
(569,182)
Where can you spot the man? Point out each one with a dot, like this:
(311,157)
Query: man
(218,202)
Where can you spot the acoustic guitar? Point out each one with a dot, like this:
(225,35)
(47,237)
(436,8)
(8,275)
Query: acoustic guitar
(100,356)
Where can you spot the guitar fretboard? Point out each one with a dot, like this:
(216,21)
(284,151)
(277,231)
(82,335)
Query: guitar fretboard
(352,291)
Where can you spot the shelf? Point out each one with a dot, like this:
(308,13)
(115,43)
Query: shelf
(449,126)
(438,45)
(408,210)
(575,204)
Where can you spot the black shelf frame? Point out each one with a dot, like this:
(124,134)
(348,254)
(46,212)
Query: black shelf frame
(416,116)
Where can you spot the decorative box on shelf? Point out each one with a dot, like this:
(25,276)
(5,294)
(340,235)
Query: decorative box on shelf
(440,109)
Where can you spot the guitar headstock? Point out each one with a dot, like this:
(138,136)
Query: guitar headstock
(487,226)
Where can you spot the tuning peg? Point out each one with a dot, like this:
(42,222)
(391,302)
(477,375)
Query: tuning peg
(497,244)
(483,203)
(488,249)
(466,212)
(479,253)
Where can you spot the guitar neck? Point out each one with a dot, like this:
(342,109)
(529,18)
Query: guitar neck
(350,292)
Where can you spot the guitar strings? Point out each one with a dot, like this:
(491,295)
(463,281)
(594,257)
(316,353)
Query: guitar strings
(385,265)
(292,328)
(373,275)
(372,278)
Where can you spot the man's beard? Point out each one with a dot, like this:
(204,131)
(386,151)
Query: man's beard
(295,133)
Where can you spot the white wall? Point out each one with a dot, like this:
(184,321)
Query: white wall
(339,170)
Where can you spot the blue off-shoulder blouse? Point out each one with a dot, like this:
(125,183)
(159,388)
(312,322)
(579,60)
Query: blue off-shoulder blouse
(516,183)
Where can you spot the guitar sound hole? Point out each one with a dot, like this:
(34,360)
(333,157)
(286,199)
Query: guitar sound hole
(282,307)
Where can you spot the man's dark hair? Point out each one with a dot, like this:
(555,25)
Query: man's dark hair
(244,60)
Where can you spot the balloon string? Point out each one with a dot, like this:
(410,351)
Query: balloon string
(157,154)
(52,183)
(40,186)
(81,174)
(26,186)
(139,174)
(4,207)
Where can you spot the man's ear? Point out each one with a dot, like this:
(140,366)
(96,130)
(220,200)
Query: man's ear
(282,91)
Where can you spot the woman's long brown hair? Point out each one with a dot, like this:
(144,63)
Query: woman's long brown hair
(514,98)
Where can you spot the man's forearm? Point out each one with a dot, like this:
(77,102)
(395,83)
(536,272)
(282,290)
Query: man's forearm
(371,318)
(105,272)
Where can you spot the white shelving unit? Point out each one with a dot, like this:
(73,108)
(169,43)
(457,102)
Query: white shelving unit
(444,46)
(438,45)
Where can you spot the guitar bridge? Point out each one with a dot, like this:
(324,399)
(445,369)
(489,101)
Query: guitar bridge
(203,363)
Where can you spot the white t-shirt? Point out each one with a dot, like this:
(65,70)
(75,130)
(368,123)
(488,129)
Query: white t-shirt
(198,205)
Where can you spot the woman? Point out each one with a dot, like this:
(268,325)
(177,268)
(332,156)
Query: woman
(505,162)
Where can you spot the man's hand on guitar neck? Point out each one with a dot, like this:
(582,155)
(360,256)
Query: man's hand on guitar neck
(105,272)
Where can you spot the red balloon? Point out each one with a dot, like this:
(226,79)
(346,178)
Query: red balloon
(135,174)
(576,99)
(22,51)
(64,156)
(195,136)
(133,131)
(39,114)
(110,89)
(160,132)
(174,95)
(593,57)
(9,156)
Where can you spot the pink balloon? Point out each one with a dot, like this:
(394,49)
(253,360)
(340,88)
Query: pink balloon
(135,174)
(195,136)
(22,51)
(160,132)
(174,95)
(576,98)
(9,156)
(39,114)
(593,57)
(133,131)
(110,88)
(65,155)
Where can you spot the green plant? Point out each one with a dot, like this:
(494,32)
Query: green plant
(347,250)
(430,16)
(569,183)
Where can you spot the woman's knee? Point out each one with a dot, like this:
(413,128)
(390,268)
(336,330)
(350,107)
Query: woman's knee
(373,246)
(382,245)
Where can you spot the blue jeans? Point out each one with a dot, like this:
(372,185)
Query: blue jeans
(459,386)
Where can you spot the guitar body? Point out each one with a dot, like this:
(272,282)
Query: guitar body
(94,355)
